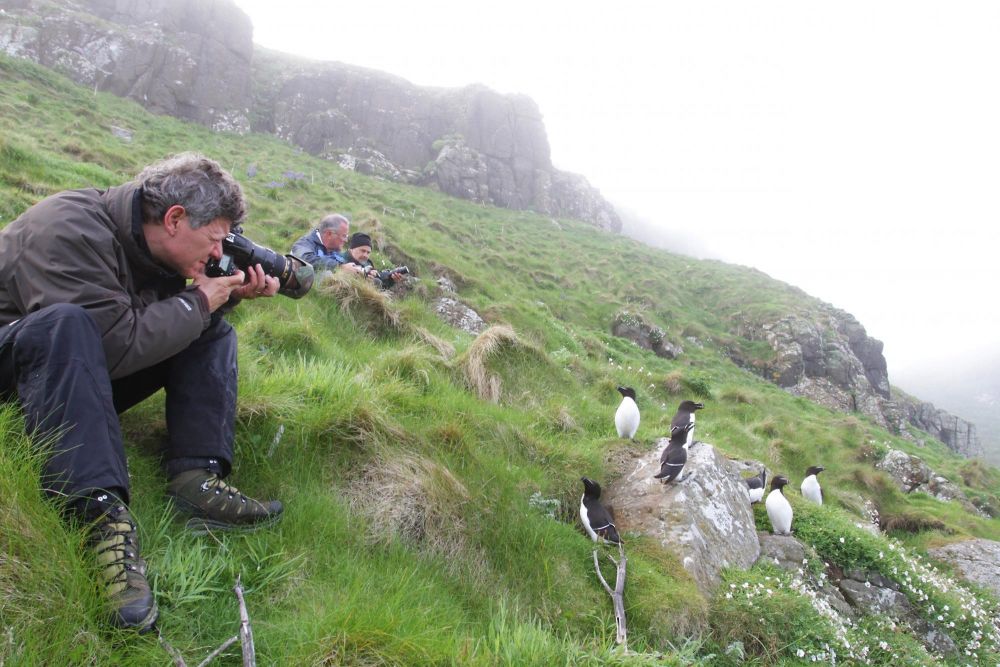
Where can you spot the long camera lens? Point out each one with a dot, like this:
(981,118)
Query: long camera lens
(294,275)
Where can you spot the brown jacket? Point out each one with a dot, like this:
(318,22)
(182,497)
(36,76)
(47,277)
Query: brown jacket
(78,247)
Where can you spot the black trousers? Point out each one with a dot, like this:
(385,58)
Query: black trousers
(52,361)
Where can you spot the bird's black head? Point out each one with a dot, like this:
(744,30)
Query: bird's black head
(814,470)
(627,392)
(680,435)
(763,476)
(690,406)
(778,482)
(590,487)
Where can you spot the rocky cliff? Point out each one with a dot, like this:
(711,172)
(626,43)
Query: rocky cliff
(195,59)
(827,356)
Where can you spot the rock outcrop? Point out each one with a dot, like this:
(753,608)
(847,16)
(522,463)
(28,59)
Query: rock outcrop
(627,324)
(911,474)
(195,59)
(828,357)
(706,520)
(470,142)
(184,58)
(977,561)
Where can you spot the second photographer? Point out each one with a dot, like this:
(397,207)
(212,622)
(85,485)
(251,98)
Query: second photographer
(359,250)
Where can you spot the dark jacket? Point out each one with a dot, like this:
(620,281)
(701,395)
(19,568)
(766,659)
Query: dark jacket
(383,281)
(311,249)
(83,247)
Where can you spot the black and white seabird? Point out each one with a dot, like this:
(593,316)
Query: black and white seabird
(755,485)
(675,455)
(595,518)
(779,510)
(685,416)
(810,485)
(627,416)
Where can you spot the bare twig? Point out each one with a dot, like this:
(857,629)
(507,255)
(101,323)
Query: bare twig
(174,653)
(617,595)
(226,644)
(277,439)
(246,634)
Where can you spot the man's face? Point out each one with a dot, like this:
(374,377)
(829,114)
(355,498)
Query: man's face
(333,239)
(187,250)
(361,253)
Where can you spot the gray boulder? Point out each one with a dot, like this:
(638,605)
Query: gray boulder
(635,328)
(705,520)
(909,472)
(976,560)
(457,314)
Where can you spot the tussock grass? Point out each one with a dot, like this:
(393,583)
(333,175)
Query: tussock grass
(412,498)
(488,346)
(363,302)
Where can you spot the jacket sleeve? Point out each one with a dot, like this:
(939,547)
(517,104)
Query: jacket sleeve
(83,269)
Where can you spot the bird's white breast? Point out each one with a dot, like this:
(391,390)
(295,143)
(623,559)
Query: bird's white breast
(811,491)
(585,520)
(779,511)
(756,494)
(627,418)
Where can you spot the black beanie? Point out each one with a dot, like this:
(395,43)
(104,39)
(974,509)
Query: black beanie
(359,239)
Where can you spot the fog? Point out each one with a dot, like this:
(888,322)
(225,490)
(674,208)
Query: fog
(851,149)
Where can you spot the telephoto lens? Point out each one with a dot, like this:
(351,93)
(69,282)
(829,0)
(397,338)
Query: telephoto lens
(295,276)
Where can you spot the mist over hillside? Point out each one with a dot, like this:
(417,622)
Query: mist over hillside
(970,390)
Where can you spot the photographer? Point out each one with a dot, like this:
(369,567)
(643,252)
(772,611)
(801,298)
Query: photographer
(358,253)
(323,247)
(96,314)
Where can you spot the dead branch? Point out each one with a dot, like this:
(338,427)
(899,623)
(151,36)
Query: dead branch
(246,634)
(226,644)
(174,653)
(618,594)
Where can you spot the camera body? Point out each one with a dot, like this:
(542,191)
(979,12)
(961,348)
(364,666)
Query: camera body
(239,253)
(386,275)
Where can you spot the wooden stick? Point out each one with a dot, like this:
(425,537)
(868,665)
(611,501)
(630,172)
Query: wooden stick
(246,634)
(226,644)
(174,653)
(618,594)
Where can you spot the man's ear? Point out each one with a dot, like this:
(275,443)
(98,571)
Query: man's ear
(172,218)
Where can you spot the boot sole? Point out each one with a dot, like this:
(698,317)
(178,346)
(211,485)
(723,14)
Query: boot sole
(201,526)
(146,625)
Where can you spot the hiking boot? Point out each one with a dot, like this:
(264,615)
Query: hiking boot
(216,505)
(123,572)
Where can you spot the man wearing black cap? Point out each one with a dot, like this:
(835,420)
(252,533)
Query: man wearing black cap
(358,255)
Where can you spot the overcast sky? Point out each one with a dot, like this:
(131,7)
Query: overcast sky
(850,148)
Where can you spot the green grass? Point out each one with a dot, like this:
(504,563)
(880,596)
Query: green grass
(474,573)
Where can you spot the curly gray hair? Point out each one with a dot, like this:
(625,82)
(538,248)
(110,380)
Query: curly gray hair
(199,184)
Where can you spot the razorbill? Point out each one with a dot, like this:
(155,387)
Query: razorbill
(675,454)
(594,517)
(810,485)
(685,416)
(627,416)
(779,510)
(755,486)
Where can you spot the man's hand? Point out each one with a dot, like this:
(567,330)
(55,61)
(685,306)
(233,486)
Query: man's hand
(258,284)
(219,290)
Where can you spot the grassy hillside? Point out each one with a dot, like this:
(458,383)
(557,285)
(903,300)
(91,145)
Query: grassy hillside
(416,529)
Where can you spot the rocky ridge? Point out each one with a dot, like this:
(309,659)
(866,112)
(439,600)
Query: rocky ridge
(196,60)
(828,357)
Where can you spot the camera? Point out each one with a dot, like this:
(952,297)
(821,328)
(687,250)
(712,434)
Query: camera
(295,276)
(386,275)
